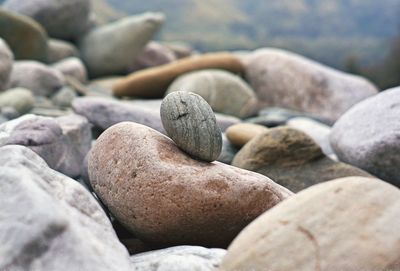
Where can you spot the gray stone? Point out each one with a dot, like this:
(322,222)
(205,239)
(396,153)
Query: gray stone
(190,122)
(20,99)
(225,121)
(26,38)
(275,116)
(72,67)
(224,92)
(285,79)
(50,222)
(59,50)
(62,19)
(110,49)
(64,97)
(39,78)
(154,54)
(368,135)
(62,143)
(9,112)
(105,112)
(180,258)
(6,63)
(228,151)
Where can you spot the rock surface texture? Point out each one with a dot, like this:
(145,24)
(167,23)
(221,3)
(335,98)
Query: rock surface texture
(161,180)
(344,224)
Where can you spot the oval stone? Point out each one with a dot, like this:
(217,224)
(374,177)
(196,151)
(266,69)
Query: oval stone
(190,122)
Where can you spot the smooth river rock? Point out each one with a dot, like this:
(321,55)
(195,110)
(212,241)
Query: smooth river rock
(154,82)
(345,224)
(224,92)
(241,133)
(143,178)
(285,79)
(154,54)
(50,222)
(21,99)
(292,159)
(368,135)
(60,49)
(190,122)
(6,63)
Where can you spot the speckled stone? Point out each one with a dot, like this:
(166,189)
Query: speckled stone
(189,120)
(165,197)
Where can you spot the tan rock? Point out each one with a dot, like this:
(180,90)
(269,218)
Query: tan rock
(154,82)
(241,133)
(346,224)
(165,197)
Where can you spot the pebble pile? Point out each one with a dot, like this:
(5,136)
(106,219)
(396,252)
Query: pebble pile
(240,161)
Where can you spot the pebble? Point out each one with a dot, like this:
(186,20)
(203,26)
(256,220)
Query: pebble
(6,63)
(60,49)
(72,67)
(64,97)
(190,122)
(161,180)
(21,99)
(241,133)
(154,54)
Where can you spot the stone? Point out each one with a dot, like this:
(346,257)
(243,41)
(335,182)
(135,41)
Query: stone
(62,143)
(285,79)
(241,133)
(48,219)
(224,92)
(64,97)
(102,87)
(9,112)
(154,82)
(180,49)
(62,19)
(25,37)
(111,49)
(60,49)
(6,60)
(318,131)
(20,99)
(103,113)
(190,122)
(344,224)
(161,180)
(37,77)
(228,151)
(180,258)
(72,67)
(225,121)
(292,159)
(154,54)
(368,135)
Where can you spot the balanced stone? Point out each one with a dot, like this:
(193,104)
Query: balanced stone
(190,122)
(165,197)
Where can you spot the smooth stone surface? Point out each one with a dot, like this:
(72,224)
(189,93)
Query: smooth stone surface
(282,78)
(50,222)
(190,122)
(154,54)
(26,38)
(103,113)
(102,87)
(6,63)
(228,151)
(62,19)
(225,121)
(292,159)
(241,133)
(62,143)
(314,129)
(368,135)
(60,49)
(64,97)
(224,92)
(345,224)
(72,67)
(42,80)
(154,82)
(142,193)
(180,258)
(111,49)
(20,99)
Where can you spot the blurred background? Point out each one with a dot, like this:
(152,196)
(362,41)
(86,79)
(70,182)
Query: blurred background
(357,36)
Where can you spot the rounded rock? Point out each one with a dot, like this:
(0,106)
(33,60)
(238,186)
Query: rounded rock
(6,60)
(241,133)
(190,122)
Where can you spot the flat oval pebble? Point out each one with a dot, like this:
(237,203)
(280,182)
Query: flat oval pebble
(190,122)
(165,197)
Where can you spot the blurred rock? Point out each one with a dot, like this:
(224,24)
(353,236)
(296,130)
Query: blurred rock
(154,54)
(20,99)
(72,67)
(6,63)
(64,97)
(59,50)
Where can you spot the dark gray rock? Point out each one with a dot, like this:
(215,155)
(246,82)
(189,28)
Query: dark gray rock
(228,151)
(180,258)
(6,63)
(20,99)
(190,122)
(368,135)
(59,50)
(39,78)
(50,222)
(62,19)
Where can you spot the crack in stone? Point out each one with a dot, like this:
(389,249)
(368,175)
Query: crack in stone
(313,240)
